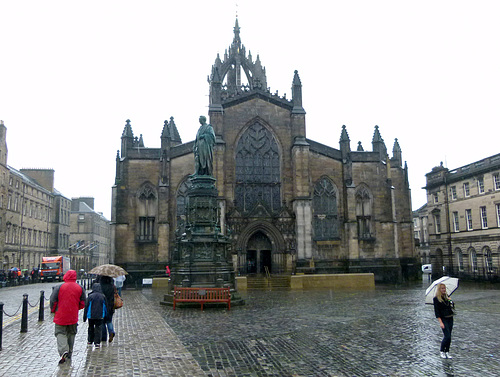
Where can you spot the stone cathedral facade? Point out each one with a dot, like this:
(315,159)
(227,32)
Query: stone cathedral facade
(287,203)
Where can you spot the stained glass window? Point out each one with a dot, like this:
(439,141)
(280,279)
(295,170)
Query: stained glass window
(325,214)
(257,170)
(363,213)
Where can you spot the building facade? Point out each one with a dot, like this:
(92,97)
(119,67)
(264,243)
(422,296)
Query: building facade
(421,232)
(463,209)
(33,225)
(35,218)
(289,204)
(90,235)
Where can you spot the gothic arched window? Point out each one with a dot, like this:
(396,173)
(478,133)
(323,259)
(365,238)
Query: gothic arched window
(146,209)
(364,213)
(257,170)
(325,212)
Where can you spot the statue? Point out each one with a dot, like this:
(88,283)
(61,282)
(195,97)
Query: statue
(204,148)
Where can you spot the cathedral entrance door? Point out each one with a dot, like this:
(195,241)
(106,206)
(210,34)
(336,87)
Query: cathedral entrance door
(259,254)
(252,261)
(265,261)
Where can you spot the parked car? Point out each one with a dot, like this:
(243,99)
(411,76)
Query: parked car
(427,268)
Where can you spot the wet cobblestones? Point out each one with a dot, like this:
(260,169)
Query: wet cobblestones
(386,332)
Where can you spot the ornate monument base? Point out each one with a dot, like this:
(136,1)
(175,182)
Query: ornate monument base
(202,257)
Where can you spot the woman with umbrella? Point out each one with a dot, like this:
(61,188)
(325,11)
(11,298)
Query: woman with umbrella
(108,289)
(443,309)
(107,272)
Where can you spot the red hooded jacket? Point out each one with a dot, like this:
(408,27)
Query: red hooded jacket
(67,299)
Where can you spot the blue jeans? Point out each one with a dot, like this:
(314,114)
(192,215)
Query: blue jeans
(448,327)
(107,327)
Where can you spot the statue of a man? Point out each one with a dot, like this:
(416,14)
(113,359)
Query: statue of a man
(204,149)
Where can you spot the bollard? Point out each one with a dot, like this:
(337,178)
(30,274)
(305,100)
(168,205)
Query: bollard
(41,306)
(24,318)
(1,324)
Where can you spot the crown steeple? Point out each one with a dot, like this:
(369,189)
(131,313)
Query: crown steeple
(237,70)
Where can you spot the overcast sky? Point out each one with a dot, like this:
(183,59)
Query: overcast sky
(72,73)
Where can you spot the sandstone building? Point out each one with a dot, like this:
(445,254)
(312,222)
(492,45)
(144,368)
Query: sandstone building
(421,232)
(289,204)
(90,235)
(35,220)
(463,210)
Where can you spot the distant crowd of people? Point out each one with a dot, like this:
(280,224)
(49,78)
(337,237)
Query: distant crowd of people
(16,276)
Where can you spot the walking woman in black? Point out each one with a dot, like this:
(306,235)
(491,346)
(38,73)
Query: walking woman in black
(443,308)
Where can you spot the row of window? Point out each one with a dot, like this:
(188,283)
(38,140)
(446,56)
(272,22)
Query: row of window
(28,259)
(30,208)
(63,241)
(483,217)
(29,190)
(473,260)
(466,188)
(28,237)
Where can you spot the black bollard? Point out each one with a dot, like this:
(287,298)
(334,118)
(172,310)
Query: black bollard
(24,318)
(41,306)
(1,323)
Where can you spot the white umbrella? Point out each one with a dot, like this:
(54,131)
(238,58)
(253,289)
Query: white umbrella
(451,286)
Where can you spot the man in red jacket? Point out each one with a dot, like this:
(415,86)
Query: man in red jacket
(65,301)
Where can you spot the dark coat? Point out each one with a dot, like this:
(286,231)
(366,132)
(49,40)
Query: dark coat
(95,308)
(443,309)
(108,289)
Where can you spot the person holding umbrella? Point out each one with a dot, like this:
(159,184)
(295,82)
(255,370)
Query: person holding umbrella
(107,272)
(108,289)
(443,309)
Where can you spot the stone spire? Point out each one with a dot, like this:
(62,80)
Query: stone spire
(127,138)
(117,168)
(379,145)
(345,142)
(235,64)
(170,132)
(297,95)
(397,156)
(345,149)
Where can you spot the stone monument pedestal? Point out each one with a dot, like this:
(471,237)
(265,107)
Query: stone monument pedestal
(202,257)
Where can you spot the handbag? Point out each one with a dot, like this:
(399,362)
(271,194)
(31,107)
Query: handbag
(118,300)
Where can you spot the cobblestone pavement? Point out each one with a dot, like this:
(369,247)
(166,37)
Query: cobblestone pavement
(386,332)
(144,346)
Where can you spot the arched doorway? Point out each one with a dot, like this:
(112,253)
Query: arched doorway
(259,254)
(261,245)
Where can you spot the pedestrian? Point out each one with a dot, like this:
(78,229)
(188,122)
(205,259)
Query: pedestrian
(119,283)
(65,301)
(167,271)
(108,289)
(444,311)
(95,311)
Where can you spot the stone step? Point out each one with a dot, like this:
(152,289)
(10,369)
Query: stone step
(275,282)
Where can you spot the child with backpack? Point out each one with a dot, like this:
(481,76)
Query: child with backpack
(95,311)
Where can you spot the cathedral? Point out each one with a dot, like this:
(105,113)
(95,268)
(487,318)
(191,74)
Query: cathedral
(287,204)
